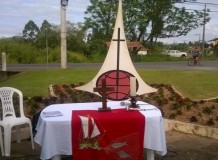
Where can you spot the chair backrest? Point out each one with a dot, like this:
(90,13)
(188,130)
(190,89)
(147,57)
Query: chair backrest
(7,101)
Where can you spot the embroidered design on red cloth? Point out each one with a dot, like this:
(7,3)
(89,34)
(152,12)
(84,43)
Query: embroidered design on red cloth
(125,147)
(89,138)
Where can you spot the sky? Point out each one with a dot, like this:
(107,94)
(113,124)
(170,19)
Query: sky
(14,14)
(211,28)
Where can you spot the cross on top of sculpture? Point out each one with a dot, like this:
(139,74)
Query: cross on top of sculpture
(103,91)
(118,51)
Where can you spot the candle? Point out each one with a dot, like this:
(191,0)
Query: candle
(132,86)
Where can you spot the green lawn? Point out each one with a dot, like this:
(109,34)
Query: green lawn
(192,84)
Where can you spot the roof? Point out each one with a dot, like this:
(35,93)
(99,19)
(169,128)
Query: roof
(215,39)
(129,44)
(132,45)
(144,49)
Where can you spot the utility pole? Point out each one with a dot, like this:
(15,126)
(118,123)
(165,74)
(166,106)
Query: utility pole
(46,44)
(203,37)
(64,4)
(4,63)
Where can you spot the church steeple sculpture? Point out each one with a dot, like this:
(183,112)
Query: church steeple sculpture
(118,67)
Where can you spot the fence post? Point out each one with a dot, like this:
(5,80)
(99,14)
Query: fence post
(4,61)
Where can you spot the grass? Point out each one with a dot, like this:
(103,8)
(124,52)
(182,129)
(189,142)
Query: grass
(193,84)
(35,83)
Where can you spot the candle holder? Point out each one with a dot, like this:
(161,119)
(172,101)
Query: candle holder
(133,102)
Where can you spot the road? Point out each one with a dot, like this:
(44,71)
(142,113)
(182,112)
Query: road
(209,65)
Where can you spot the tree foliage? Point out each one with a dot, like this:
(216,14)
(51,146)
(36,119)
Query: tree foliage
(50,33)
(75,37)
(17,51)
(30,31)
(144,20)
(102,16)
(99,25)
(32,48)
(179,22)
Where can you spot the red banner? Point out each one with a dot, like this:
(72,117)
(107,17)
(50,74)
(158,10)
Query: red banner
(114,135)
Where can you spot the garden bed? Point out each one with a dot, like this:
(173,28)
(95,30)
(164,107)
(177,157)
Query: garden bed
(172,104)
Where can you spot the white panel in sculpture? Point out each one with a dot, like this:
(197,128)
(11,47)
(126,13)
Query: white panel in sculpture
(118,67)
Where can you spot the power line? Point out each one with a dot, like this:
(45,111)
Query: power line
(202,3)
(194,2)
(199,10)
(213,11)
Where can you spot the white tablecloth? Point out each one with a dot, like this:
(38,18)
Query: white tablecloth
(54,133)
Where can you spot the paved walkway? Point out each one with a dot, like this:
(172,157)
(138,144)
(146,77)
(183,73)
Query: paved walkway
(180,146)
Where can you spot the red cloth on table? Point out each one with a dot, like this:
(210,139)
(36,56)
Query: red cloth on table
(122,135)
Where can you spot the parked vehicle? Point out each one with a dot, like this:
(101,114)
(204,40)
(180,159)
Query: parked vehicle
(176,53)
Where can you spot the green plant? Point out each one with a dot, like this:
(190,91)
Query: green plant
(207,110)
(172,116)
(187,107)
(213,107)
(210,122)
(179,112)
(175,106)
(193,119)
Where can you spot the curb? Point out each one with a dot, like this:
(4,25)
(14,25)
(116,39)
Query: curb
(190,128)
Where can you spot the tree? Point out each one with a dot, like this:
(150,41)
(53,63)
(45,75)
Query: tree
(179,22)
(49,32)
(99,24)
(30,32)
(102,15)
(154,19)
(161,18)
(75,37)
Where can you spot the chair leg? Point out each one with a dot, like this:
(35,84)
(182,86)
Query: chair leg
(7,140)
(1,142)
(18,134)
(31,135)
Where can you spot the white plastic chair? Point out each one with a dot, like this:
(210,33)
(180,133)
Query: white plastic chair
(1,142)
(9,119)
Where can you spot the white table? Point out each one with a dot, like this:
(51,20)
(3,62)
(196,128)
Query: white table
(54,133)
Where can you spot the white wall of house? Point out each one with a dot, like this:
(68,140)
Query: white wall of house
(142,52)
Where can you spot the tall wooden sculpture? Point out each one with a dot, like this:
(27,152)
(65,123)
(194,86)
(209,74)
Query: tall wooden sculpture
(118,67)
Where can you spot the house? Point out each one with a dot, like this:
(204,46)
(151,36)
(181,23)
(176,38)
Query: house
(213,47)
(143,51)
(214,41)
(134,46)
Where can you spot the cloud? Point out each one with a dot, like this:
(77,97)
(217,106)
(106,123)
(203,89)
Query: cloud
(15,14)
